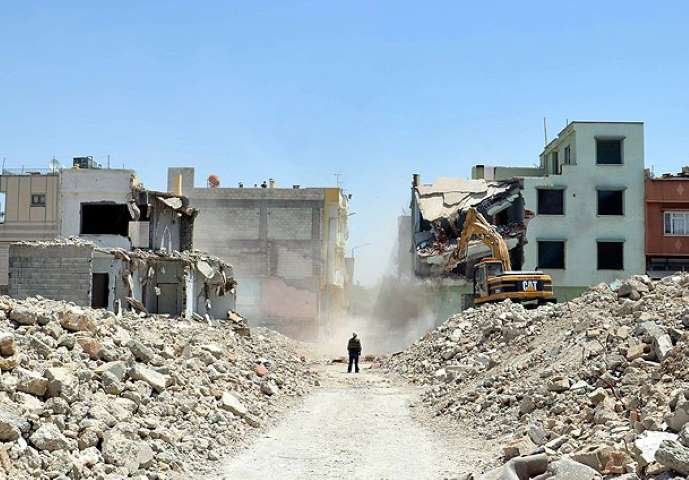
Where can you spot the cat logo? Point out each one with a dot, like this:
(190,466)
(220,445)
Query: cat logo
(529,285)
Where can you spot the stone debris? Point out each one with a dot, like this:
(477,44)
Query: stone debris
(600,384)
(88,394)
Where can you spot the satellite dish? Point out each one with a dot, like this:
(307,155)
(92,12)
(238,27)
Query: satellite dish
(213,181)
(54,165)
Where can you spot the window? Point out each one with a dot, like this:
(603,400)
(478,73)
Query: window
(38,199)
(677,223)
(610,202)
(568,155)
(551,201)
(2,207)
(551,254)
(610,255)
(609,152)
(104,219)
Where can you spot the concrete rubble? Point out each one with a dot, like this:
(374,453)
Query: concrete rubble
(599,384)
(88,394)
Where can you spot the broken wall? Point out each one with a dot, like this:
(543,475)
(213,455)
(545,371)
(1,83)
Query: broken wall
(208,298)
(78,186)
(58,272)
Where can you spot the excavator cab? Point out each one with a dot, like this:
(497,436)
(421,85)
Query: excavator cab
(485,269)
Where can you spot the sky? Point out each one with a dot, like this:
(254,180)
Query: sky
(300,91)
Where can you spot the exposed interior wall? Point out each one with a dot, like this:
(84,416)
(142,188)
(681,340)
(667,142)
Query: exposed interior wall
(60,273)
(165,231)
(163,291)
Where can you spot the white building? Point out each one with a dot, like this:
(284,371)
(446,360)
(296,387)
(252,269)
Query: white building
(586,200)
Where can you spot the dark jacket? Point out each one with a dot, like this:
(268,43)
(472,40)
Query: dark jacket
(354,346)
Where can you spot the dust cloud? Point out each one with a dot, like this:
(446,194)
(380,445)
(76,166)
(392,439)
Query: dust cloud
(387,318)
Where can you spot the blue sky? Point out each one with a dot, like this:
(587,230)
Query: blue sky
(299,91)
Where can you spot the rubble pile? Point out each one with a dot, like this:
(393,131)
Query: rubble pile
(601,381)
(87,394)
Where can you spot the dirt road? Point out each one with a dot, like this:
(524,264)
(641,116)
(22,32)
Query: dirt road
(357,427)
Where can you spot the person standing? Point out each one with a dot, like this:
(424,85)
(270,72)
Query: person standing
(354,350)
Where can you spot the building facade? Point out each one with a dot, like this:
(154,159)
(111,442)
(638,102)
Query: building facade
(667,224)
(287,247)
(585,204)
(28,210)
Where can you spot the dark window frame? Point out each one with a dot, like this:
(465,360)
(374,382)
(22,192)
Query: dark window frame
(560,265)
(608,191)
(601,140)
(38,203)
(541,211)
(607,264)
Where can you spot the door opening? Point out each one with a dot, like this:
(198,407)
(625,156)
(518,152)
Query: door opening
(99,290)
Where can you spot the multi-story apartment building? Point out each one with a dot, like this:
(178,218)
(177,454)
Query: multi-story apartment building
(287,247)
(667,223)
(28,210)
(584,204)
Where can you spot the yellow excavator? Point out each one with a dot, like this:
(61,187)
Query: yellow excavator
(493,278)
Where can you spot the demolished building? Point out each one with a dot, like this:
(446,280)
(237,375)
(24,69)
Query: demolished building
(186,283)
(438,212)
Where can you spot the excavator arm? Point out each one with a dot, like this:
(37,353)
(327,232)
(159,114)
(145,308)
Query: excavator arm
(475,225)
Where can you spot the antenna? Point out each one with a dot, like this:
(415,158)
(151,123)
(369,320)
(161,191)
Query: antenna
(545,131)
(337,178)
(108,161)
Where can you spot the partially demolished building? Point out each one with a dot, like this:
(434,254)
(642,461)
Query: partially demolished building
(438,212)
(121,246)
(287,246)
(112,209)
(176,283)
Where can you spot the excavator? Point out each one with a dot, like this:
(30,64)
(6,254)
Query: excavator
(493,278)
